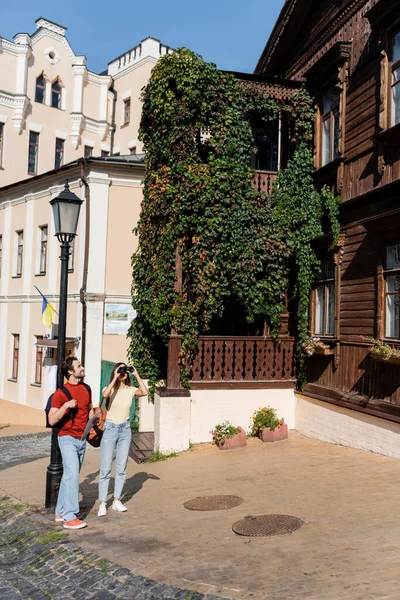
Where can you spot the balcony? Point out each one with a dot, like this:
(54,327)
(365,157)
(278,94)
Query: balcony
(263,181)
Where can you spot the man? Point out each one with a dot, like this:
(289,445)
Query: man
(71,416)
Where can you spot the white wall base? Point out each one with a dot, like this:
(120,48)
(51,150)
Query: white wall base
(146,414)
(171,423)
(337,425)
(210,407)
(179,421)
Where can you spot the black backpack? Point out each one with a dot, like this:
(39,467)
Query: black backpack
(71,413)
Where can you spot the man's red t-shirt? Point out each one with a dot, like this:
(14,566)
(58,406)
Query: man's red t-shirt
(75,425)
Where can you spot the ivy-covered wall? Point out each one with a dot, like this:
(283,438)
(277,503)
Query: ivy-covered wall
(234,242)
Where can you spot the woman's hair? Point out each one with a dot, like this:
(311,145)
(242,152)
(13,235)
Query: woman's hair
(117,383)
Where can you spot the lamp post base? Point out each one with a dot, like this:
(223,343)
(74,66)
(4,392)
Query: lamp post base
(54,472)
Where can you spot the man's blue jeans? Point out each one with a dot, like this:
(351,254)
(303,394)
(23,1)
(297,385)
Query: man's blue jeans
(119,437)
(72,452)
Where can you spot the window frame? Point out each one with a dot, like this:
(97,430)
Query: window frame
(42,88)
(35,146)
(43,249)
(392,68)
(333,115)
(126,114)
(71,257)
(56,93)
(59,153)
(325,283)
(15,357)
(87,151)
(39,355)
(384,273)
(19,263)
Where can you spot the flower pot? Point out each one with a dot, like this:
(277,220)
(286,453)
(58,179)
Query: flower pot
(394,360)
(278,434)
(323,351)
(236,441)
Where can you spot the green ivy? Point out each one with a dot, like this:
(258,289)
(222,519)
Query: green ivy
(233,241)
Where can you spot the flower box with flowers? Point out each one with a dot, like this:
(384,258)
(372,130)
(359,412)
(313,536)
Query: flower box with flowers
(382,351)
(268,427)
(313,345)
(228,437)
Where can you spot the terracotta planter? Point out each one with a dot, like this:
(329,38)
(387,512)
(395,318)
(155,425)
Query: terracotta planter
(392,361)
(280,433)
(236,441)
(324,351)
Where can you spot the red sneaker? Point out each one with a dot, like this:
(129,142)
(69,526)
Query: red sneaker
(75,524)
(59,519)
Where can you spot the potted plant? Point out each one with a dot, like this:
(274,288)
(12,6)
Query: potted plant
(313,345)
(267,426)
(382,351)
(228,437)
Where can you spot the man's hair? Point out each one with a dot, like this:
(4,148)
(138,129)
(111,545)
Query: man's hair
(66,366)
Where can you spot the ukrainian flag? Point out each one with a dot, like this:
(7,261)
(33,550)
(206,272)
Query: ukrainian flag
(47,310)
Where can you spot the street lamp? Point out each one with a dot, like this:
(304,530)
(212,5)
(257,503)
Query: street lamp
(66,208)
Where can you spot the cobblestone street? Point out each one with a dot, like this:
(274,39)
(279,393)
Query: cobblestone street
(347,549)
(15,450)
(38,563)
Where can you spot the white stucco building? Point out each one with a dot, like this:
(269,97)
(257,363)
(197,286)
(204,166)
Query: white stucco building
(58,121)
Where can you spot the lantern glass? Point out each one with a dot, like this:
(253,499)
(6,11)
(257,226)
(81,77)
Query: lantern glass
(66,208)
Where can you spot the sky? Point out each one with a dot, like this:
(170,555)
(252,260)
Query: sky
(231,33)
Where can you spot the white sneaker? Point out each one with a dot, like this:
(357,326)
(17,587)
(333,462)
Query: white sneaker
(102,510)
(117,505)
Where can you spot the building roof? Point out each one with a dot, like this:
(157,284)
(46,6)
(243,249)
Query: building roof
(130,160)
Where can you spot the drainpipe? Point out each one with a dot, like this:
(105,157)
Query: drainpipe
(113,126)
(82,291)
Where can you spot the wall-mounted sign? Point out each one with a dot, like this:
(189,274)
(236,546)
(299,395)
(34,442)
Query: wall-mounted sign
(118,318)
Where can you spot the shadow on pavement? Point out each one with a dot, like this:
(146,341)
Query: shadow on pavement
(89,488)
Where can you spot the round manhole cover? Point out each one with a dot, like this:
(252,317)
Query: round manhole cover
(264,525)
(213,502)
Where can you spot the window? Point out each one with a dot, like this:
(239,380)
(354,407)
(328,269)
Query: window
(132,150)
(71,256)
(392,291)
(56,94)
(1,143)
(40,91)
(15,356)
(330,125)
(38,361)
(396,79)
(127,111)
(43,249)
(33,152)
(59,156)
(266,142)
(87,151)
(20,252)
(1,252)
(324,323)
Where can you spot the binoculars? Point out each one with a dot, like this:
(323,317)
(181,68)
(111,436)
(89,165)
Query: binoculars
(125,369)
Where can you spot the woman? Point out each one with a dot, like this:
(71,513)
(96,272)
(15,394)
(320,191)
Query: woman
(117,432)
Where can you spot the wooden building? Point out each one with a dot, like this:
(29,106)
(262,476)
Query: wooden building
(348,53)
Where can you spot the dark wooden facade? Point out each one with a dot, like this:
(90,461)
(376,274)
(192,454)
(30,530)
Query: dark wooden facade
(348,44)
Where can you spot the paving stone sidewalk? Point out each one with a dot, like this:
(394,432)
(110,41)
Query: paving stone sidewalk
(41,563)
(18,449)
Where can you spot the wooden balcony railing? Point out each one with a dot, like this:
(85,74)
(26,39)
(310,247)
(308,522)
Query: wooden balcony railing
(227,362)
(263,181)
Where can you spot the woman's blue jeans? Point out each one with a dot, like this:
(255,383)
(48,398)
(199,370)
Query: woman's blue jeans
(72,452)
(115,437)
